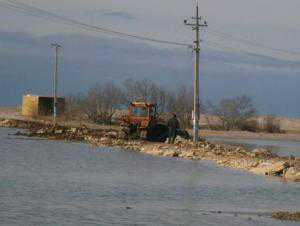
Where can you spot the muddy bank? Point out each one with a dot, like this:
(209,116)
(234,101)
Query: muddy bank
(258,161)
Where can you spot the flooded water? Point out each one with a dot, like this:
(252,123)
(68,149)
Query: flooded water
(280,147)
(57,183)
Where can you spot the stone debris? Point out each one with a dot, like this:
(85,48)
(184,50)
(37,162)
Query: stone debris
(287,216)
(292,174)
(41,131)
(58,131)
(187,154)
(170,153)
(260,152)
(258,161)
(271,168)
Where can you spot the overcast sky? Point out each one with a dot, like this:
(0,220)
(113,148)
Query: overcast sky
(229,65)
(274,23)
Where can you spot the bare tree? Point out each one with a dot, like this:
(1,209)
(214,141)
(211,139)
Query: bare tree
(74,108)
(112,97)
(145,90)
(234,112)
(181,103)
(158,95)
(137,90)
(101,102)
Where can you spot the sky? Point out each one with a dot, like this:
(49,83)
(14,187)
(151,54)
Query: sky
(270,22)
(239,48)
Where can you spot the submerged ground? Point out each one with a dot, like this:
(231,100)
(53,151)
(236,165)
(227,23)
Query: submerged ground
(58,183)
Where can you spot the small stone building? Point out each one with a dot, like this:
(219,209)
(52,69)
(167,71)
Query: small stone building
(41,106)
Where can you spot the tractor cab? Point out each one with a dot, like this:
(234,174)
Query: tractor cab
(142,121)
(142,113)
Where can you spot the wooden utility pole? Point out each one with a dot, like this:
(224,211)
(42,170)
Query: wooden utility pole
(56,47)
(196,27)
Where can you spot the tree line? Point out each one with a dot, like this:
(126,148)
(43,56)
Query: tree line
(102,101)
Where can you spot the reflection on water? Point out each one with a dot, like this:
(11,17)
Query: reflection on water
(282,148)
(56,183)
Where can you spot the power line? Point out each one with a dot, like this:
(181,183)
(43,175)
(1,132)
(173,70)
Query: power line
(226,36)
(41,13)
(53,17)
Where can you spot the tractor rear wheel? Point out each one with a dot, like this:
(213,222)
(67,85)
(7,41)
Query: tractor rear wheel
(157,133)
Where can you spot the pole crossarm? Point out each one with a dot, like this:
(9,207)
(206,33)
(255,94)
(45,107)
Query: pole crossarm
(56,45)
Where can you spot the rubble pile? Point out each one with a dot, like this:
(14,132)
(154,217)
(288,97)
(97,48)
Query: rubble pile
(21,124)
(71,133)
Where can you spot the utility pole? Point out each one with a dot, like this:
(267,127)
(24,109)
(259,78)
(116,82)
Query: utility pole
(196,27)
(56,48)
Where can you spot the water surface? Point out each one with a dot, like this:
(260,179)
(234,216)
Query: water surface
(57,183)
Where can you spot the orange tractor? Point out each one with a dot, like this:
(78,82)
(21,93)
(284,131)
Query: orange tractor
(143,121)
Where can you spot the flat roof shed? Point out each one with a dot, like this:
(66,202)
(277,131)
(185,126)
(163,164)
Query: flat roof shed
(34,105)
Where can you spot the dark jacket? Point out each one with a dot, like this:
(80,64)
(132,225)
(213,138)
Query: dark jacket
(173,123)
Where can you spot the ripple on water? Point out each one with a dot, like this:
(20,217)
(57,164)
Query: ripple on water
(57,183)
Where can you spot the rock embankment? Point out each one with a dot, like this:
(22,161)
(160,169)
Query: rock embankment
(287,216)
(21,124)
(258,161)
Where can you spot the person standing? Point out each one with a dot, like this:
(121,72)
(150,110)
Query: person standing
(173,127)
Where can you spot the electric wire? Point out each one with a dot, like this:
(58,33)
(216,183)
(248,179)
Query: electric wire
(46,15)
(40,13)
(254,43)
